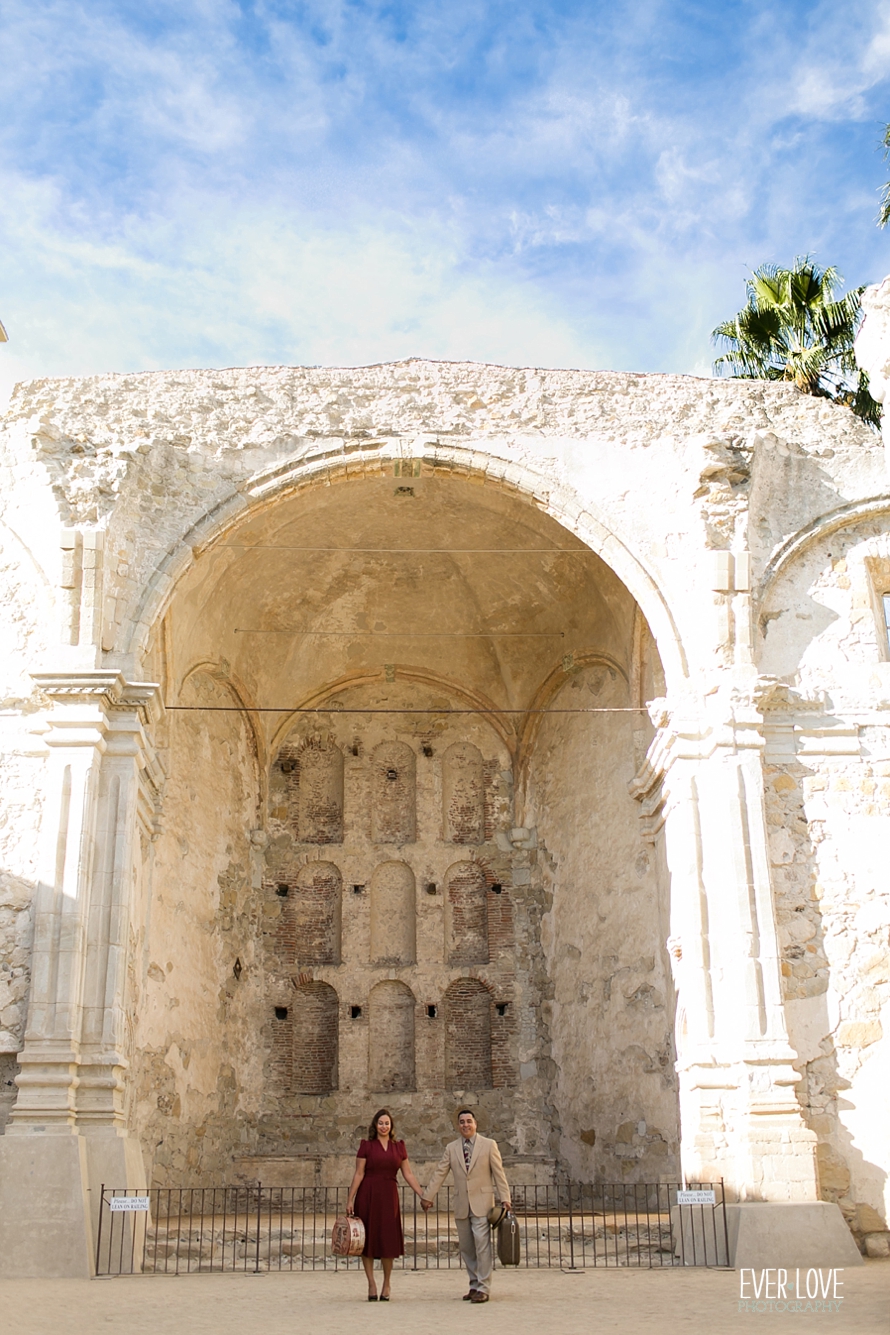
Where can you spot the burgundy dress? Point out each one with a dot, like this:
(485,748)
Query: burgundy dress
(377,1199)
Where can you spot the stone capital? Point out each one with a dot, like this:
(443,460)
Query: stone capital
(106,687)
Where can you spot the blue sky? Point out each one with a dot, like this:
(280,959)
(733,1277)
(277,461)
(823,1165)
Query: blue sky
(545,182)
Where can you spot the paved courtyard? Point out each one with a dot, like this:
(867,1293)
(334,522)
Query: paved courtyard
(425,1303)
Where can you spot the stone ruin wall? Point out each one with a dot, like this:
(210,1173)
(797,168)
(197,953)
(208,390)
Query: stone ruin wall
(611,1005)
(26,625)
(235,1077)
(148,472)
(828,811)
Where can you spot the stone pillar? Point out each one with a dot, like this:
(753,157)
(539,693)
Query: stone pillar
(740,1117)
(67,1131)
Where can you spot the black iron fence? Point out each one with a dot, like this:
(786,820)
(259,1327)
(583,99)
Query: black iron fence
(571,1226)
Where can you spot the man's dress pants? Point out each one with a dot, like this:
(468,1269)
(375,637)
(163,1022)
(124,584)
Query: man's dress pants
(474,1235)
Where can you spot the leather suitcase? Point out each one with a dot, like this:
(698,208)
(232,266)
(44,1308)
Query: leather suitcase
(509,1250)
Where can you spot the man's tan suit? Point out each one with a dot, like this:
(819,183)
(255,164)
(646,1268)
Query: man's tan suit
(474,1195)
(474,1191)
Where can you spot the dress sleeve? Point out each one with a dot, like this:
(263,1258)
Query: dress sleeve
(362,1151)
(403,1153)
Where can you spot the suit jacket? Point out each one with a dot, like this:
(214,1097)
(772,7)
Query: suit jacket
(474,1191)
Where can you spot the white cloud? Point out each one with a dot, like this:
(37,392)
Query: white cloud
(846,55)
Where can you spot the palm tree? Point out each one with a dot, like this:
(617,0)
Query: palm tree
(794,329)
(884,215)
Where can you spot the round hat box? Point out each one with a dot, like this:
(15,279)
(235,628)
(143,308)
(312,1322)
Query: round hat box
(347,1236)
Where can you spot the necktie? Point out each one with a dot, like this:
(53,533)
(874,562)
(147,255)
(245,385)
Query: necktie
(467,1153)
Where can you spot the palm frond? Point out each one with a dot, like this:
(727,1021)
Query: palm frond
(861,402)
(884,212)
(794,328)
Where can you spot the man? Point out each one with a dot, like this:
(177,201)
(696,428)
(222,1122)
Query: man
(477,1171)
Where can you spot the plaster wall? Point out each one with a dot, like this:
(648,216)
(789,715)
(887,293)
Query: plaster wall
(195,1057)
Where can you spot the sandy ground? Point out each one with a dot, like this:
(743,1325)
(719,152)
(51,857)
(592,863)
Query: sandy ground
(426,1303)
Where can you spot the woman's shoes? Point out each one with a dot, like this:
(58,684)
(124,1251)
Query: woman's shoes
(384,1297)
(372,1297)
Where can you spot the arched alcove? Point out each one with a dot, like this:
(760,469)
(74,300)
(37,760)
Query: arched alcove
(314,1016)
(391,1037)
(468,1035)
(466,914)
(320,792)
(307,788)
(823,604)
(463,794)
(313,912)
(393,914)
(393,796)
(394,645)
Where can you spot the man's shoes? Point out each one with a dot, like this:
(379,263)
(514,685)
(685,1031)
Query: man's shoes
(468,1297)
(479,1297)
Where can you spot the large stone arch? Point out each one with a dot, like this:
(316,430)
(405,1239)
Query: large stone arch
(576,513)
(445,732)
(701,781)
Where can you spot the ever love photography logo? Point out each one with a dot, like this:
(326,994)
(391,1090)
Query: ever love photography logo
(800,1291)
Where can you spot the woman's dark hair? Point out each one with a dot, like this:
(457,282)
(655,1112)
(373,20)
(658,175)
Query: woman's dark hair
(372,1129)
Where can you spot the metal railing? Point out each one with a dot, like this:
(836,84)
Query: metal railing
(569,1226)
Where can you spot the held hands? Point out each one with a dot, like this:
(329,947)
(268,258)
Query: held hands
(427,1205)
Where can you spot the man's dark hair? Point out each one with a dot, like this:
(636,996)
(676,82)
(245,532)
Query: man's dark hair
(468,1111)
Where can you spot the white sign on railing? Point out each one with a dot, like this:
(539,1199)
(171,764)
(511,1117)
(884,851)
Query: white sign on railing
(118,1203)
(696,1198)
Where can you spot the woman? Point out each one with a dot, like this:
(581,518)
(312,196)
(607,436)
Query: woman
(374,1198)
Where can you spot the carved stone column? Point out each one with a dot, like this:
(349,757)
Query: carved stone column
(740,1117)
(67,1130)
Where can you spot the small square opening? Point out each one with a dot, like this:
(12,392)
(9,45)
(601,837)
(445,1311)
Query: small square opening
(432,1012)
(496,888)
(282,891)
(501,1008)
(280,1012)
(358,889)
(431,887)
(355,1012)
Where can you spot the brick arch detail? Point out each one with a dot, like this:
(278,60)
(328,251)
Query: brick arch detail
(463,794)
(466,914)
(468,1025)
(314,1017)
